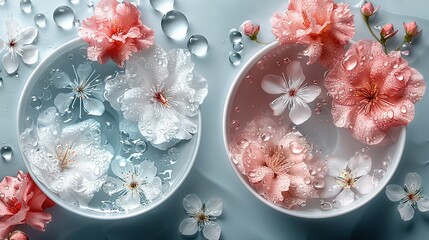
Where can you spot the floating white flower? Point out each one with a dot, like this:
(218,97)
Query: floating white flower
(343,176)
(85,88)
(134,183)
(161,92)
(409,196)
(295,95)
(201,217)
(18,45)
(70,161)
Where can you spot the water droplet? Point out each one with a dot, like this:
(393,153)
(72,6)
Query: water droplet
(173,152)
(90,4)
(337,203)
(399,76)
(238,46)
(307,180)
(296,148)
(405,49)
(390,114)
(1,82)
(134,2)
(122,162)
(235,58)
(265,137)
(174,24)
(350,62)
(198,45)
(237,109)
(74,2)
(40,20)
(235,35)
(26,6)
(109,187)
(124,136)
(377,174)
(64,17)
(403,109)
(2,2)
(36,103)
(126,146)
(385,165)
(235,125)
(326,206)
(106,206)
(6,153)
(260,64)
(140,146)
(162,5)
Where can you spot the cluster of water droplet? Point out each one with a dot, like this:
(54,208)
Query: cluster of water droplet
(235,37)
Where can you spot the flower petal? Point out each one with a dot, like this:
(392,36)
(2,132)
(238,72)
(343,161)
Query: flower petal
(12,26)
(423,204)
(28,35)
(189,226)
(63,100)
(129,201)
(406,211)
(113,185)
(153,189)
(60,79)
(335,165)
(120,166)
(360,164)
(309,93)
(330,189)
(214,207)
(346,197)
(93,106)
(295,74)
(364,185)
(279,104)
(192,203)
(2,45)
(10,63)
(147,170)
(83,71)
(413,182)
(395,192)
(300,112)
(30,54)
(274,84)
(211,231)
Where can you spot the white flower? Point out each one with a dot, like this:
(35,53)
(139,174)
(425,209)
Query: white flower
(85,88)
(133,183)
(295,95)
(409,196)
(202,217)
(161,92)
(70,161)
(18,45)
(344,176)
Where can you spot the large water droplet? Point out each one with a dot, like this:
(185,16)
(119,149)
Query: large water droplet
(40,20)
(106,206)
(390,114)
(90,5)
(74,2)
(162,5)
(235,58)
(238,46)
(405,49)
(235,35)
(6,153)
(403,109)
(326,206)
(36,103)
(350,62)
(337,203)
(140,146)
(174,24)
(64,17)
(198,45)
(26,6)
(296,147)
(135,2)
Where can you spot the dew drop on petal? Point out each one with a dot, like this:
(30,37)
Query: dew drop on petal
(140,146)
(235,125)
(6,153)
(235,36)
(26,6)
(40,20)
(350,62)
(390,114)
(403,109)
(64,17)
(399,76)
(198,45)
(122,162)
(296,147)
(235,58)
(162,6)
(174,24)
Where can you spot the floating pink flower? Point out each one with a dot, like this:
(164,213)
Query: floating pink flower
(22,202)
(278,163)
(321,24)
(114,32)
(373,92)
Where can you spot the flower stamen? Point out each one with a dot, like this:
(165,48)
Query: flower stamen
(65,156)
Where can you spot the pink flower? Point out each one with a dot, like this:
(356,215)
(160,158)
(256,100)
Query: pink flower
(251,29)
(22,202)
(114,32)
(373,92)
(387,31)
(411,29)
(321,24)
(368,9)
(17,235)
(278,163)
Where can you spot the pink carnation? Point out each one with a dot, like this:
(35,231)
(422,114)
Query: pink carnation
(321,24)
(22,202)
(114,32)
(373,92)
(277,162)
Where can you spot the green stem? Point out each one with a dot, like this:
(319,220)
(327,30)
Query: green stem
(383,43)
(399,48)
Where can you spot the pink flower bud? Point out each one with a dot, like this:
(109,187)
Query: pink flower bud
(368,9)
(17,235)
(388,31)
(411,29)
(251,29)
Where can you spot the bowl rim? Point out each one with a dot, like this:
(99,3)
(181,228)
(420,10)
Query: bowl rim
(37,72)
(307,215)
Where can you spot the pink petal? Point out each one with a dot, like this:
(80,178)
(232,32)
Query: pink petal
(332,52)
(313,52)
(416,86)
(10,63)
(342,115)
(274,84)
(259,173)
(365,130)
(38,220)
(342,23)
(254,157)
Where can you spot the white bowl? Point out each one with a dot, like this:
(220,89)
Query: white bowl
(331,139)
(179,171)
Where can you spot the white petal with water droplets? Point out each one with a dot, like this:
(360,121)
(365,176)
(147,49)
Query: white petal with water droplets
(335,165)
(346,197)
(413,182)
(279,105)
(83,71)
(330,189)
(60,79)
(129,201)
(309,93)
(93,106)
(63,100)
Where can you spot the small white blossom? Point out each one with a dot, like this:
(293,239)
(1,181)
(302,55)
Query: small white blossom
(201,217)
(295,95)
(409,196)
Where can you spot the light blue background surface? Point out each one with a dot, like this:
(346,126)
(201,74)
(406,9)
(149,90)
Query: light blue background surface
(244,217)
